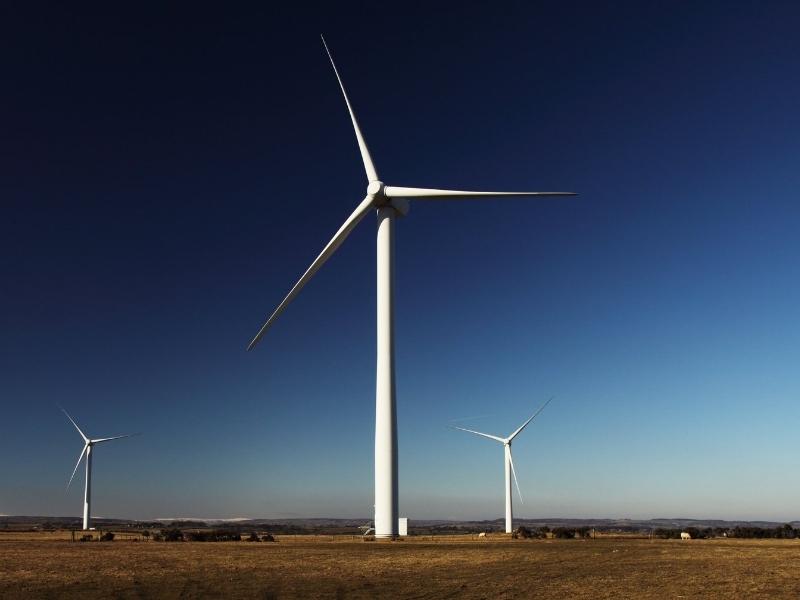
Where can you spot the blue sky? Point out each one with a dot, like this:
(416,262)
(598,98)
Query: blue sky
(167,176)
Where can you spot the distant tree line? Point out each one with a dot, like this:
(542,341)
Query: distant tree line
(104,536)
(453,529)
(561,533)
(666,533)
(173,534)
(746,532)
(213,535)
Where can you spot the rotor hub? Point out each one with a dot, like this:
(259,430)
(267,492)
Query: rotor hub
(377,190)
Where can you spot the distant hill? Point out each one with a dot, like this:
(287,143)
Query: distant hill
(335,524)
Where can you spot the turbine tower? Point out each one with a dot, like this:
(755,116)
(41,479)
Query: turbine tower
(389,202)
(508,464)
(87,449)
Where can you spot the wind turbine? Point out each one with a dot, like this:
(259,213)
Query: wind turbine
(388,202)
(508,463)
(87,449)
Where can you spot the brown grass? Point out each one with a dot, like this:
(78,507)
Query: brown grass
(463,568)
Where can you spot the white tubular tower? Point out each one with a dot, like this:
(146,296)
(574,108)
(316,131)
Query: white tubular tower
(87,494)
(386,509)
(88,445)
(389,202)
(508,465)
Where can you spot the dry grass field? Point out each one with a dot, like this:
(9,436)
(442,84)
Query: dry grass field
(44,566)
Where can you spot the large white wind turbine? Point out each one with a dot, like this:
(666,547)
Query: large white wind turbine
(388,202)
(87,449)
(508,463)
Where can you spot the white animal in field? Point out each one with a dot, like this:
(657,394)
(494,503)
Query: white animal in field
(482,534)
(685,536)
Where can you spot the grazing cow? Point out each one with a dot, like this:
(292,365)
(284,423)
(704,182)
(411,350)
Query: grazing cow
(685,536)
(482,534)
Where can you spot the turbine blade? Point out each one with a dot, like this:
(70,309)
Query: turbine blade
(514,473)
(326,253)
(85,439)
(525,424)
(433,194)
(369,166)
(486,435)
(75,470)
(117,437)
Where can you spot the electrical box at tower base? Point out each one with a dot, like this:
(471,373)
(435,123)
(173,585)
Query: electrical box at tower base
(402,526)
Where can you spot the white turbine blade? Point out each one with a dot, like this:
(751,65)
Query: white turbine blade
(514,473)
(433,194)
(525,424)
(117,437)
(85,439)
(491,437)
(75,470)
(369,167)
(326,253)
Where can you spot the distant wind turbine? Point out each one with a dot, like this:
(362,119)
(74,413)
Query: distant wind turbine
(508,463)
(87,449)
(389,202)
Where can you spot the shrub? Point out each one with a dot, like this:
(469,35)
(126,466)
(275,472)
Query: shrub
(522,532)
(87,537)
(171,535)
(564,533)
(253,537)
(786,532)
(216,535)
(222,535)
(267,537)
(107,537)
(667,534)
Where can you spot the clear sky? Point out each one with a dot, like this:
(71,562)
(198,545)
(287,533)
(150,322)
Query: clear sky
(166,176)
